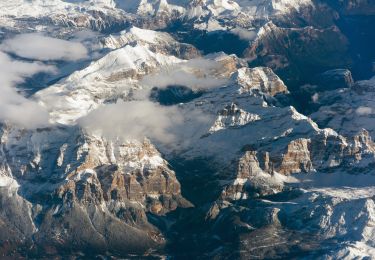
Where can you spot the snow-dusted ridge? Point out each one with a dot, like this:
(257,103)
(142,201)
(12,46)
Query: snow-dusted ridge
(111,77)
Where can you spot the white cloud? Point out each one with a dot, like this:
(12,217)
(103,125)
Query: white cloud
(134,120)
(195,74)
(167,125)
(39,47)
(244,34)
(315,98)
(364,111)
(84,35)
(13,106)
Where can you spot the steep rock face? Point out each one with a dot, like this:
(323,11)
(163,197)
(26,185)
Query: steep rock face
(338,78)
(296,158)
(287,49)
(325,150)
(81,190)
(16,221)
(253,178)
(128,172)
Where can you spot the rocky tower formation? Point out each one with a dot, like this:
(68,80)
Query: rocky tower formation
(261,173)
(232,116)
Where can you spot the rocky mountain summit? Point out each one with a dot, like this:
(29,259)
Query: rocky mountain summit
(186,129)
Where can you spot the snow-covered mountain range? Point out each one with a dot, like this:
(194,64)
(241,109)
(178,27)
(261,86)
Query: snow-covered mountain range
(186,129)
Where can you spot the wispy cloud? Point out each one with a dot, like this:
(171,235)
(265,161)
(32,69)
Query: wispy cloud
(14,107)
(39,47)
(244,34)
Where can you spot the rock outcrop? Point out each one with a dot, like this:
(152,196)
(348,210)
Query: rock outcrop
(347,110)
(259,79)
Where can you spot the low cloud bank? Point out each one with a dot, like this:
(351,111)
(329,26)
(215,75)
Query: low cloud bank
(144,119)
(134,120)
(14,107)
(39,47)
